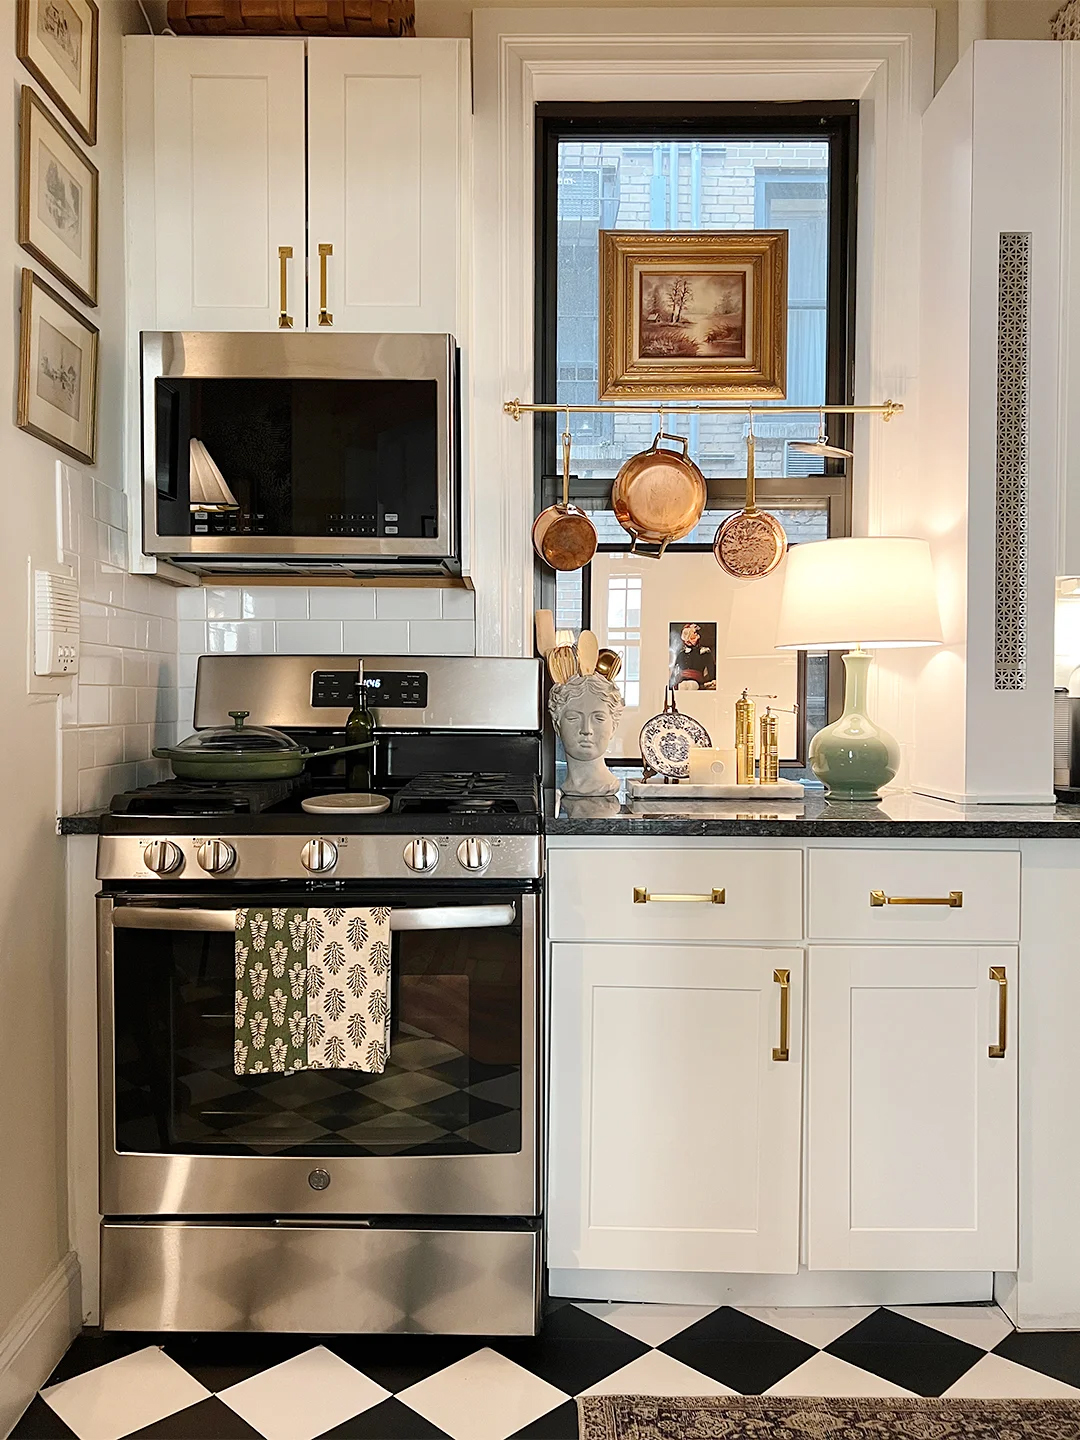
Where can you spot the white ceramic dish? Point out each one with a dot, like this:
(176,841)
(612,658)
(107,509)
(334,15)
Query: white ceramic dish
(666,741)
(346,804)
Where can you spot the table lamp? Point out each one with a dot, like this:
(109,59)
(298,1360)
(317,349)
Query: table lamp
(857,595)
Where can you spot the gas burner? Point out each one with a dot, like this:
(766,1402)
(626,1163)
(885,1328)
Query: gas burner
(468,793)
(210,797)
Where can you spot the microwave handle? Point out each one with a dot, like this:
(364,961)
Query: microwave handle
(432,917)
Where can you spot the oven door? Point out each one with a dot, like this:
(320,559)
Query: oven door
(449,1128)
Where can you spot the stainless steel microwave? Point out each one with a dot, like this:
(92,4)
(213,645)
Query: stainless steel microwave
(269,452)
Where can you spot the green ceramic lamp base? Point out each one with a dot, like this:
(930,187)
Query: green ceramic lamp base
(854,757)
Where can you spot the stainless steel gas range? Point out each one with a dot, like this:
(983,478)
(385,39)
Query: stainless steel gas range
(331,1200)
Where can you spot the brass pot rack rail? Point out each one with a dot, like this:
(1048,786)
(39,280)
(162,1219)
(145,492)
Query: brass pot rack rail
(516,408)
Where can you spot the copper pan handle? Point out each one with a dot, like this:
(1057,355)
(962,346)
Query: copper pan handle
(675,440)
(635,549)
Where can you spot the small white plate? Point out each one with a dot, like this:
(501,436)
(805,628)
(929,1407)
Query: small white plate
(355,804)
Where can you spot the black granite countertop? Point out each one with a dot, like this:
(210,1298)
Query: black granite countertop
(893,817)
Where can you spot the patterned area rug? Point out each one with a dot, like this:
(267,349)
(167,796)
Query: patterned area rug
(647,1417)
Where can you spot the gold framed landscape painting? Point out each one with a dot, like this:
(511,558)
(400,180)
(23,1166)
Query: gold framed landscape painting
(57,41)
(58,200)
(58,362)
(693,315)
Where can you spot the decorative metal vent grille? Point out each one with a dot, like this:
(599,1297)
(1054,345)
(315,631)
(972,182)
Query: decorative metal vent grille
(1010,518)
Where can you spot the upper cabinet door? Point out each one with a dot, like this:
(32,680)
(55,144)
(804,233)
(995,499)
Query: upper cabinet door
(387,122)
(913,1108)
(229,181)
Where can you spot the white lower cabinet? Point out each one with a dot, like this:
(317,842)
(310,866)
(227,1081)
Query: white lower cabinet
(675,1121)
(912,1135)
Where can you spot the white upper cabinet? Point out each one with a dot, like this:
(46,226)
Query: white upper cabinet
(228,174)
(675,1113)
(262,173)
(385,169)
(912,1080)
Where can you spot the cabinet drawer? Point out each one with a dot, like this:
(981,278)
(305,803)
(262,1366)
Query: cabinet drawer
(722,894)
(914,895)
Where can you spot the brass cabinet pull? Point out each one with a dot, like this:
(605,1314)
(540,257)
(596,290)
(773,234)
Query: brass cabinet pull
(783,979)
(714,897)
(997,974)
(325,318)
(284,255)
(954,900)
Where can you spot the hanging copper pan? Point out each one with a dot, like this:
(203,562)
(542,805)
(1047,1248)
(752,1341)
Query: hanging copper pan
(752,543)
(563,535)
(658,496)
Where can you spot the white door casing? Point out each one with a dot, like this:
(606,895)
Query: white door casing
(675,1131)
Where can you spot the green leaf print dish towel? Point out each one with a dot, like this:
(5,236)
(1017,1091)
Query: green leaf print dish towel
(312,990)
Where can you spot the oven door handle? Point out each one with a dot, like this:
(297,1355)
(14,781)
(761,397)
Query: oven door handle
(431,917)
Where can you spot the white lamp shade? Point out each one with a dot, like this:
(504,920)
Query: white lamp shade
(876,591)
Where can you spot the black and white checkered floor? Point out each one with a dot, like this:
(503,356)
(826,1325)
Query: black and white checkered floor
(227,1387)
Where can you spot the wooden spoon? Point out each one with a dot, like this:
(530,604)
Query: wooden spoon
(588,648)
(545,632)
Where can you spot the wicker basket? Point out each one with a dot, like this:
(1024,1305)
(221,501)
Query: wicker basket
(1065,25)
(292,17)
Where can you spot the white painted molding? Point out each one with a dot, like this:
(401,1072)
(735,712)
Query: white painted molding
(808,1287)
(884,58)
(37,1338)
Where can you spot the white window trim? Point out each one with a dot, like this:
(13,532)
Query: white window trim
(883,58)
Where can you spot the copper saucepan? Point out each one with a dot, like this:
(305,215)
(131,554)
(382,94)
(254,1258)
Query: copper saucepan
(658,495)
(750,543)
(563,535)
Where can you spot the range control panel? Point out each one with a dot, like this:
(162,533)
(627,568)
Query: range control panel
(396,689)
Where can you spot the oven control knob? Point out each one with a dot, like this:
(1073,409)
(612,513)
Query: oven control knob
(163,857)
(319,856)
(216,856)
(474,853)
(421,855)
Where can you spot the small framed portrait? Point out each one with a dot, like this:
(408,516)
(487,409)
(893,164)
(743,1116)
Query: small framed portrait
(58,200)
(688,314)
(58,363)
(692,653)
(57,41)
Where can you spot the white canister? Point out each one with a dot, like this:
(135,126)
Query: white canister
(709,766)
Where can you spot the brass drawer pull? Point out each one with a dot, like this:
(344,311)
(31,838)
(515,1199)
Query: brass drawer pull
(783,979)
(284,255)
(997,974)
(714,897)
(954,900)
(325,318)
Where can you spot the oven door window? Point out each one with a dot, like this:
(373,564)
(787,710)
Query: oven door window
(452,1085)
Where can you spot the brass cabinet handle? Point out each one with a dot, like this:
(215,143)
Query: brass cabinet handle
(645,897)
(954,900)
(284,255)
(325,318)
(997,974)
(783,979)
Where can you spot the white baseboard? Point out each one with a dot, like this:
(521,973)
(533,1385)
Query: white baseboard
(36,1339)
(808,1287)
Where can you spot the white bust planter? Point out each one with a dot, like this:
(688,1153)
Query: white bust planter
(586,711)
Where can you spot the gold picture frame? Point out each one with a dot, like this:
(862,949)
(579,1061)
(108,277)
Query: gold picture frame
(58,371)
(58,199)
(693,314)
(57,41)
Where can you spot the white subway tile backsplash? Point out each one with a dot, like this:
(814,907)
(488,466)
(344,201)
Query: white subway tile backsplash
(376,637)
(123,629)
(457,605)
(93,704)
(192,637)
(191,604)
(123,705)
(347,602)
(136,667)
(407,604)
(239,637)
(442,637)
(137,744)
(186,667)
(315,637)
(275,602)
(224,603)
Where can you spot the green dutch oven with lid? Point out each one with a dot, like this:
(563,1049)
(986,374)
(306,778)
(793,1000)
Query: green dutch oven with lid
(243,752)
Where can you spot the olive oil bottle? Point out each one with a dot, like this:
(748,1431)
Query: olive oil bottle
(361,727)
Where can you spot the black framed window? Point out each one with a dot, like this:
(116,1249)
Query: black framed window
(695,167)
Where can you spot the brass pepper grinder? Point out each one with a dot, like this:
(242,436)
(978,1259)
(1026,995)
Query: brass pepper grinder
(769,763)
(744,740)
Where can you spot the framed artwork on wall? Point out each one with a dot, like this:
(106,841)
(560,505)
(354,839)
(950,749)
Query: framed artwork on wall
(691,314)
(58,200)
(57,41)
(58,364)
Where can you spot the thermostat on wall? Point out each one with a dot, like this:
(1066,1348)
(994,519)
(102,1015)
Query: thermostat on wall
(56,623)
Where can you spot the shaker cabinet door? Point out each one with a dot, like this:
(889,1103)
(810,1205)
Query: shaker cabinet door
(229,182)
(386,165)
(675,1124)
(912,1136)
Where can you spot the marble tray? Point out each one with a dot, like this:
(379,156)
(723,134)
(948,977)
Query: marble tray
(683,790)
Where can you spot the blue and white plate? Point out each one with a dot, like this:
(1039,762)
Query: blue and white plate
(666,741)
